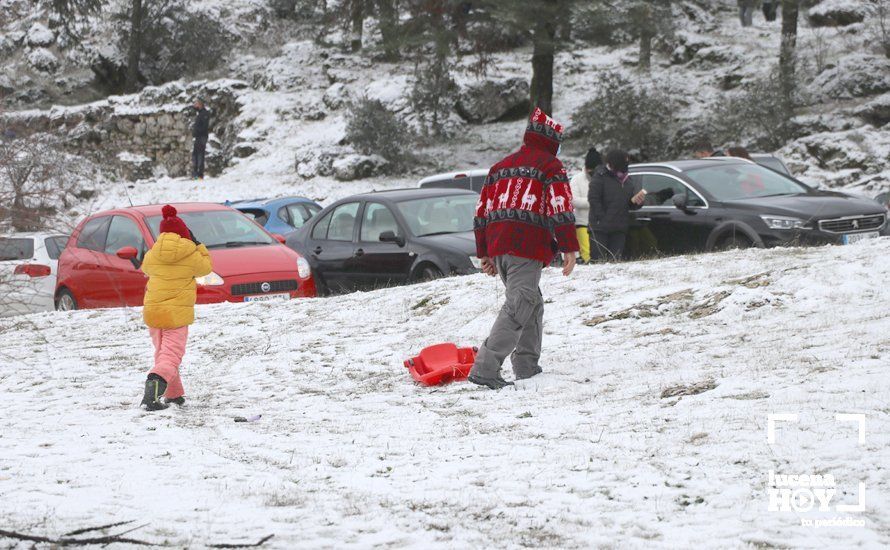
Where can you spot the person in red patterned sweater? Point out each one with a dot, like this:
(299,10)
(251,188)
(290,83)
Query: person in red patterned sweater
(523,218)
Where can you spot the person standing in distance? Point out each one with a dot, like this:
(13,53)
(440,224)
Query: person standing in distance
(612,198)
(200,131)
(580,185)
(524,216)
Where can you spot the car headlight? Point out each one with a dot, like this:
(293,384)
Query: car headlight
(782,222)
(211,279)
(477,262)
(303,269)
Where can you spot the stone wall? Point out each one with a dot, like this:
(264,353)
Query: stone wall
(142,135)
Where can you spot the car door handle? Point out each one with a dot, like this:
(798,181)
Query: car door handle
(317,250)
(644,219)
(359,252)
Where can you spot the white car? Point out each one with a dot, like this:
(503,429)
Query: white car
(28,267)
(472,179)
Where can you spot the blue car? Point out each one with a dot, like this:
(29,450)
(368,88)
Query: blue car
(278,216)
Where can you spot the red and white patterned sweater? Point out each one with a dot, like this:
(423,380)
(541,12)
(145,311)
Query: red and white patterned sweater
(525,208)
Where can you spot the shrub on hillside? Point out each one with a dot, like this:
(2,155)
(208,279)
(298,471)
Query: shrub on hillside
(373,130)
(631,115)
(177,41)
(760,116)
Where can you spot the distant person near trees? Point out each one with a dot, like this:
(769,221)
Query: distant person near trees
(523,218)
(703,149)
(200,131)
(738,152)
(770,9)
(580,185)
(611,198)
(746,12)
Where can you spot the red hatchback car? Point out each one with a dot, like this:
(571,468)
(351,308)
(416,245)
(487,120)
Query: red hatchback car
(100,265)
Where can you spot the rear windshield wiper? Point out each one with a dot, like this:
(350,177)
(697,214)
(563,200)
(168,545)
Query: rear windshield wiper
(236,244)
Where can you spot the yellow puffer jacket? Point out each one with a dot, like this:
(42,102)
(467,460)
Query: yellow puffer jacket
(172,265)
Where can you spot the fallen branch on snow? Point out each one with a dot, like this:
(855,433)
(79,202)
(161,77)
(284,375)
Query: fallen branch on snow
(260,543)
(68,541)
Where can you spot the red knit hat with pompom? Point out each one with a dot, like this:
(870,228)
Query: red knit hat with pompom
(173,223)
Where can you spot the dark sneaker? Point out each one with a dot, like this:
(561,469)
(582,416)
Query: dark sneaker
(528,374)
(155,386)
(178,401)
(490,383)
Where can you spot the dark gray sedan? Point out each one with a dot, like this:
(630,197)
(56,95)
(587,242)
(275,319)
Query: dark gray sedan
(389,238)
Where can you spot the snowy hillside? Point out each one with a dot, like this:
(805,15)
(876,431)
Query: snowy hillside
(648,430)
(294,98)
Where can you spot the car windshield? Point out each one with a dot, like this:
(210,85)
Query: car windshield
(743,181)
(16,249)
(439,215)
(219,229)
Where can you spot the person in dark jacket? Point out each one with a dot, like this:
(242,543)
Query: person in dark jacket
(611,198)
(770,9)
(200,131)
(746,12)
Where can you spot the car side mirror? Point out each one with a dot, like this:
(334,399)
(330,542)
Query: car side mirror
(280,238)
(391,237)
(680,201)
(129,253)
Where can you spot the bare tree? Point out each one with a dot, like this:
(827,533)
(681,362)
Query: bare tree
(134,50)
(787,53)
(357,19)
(880,24)
(544,40)
(36,179)
(71,12)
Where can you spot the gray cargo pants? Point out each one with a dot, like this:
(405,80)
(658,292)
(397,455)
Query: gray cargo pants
(518,328)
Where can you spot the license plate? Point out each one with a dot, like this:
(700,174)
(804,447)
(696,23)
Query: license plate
(856,237)
(267,297)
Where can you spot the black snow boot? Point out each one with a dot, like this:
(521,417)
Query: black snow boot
(495,383)
(178,401)
(155,386)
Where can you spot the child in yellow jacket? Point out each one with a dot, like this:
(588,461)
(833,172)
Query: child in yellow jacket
(171,265)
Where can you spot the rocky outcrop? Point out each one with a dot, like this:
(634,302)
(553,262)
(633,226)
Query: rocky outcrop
(856,75)
(143,134)
(836,13)
(355,167)
(493,100)
(840,158)
(876,111)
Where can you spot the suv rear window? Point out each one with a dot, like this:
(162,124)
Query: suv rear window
(16,249)
(55,246)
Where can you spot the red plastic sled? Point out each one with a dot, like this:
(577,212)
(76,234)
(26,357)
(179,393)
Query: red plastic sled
(441,364)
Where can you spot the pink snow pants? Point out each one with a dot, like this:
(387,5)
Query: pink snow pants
(169,349)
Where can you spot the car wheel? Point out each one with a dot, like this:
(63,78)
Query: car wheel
(428,272)
(65,301)
(734,241)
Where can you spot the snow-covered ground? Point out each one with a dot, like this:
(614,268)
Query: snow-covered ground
(350,453)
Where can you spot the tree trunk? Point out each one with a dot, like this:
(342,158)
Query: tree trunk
(386,11)
(542,59)
(135,47)
(357,15)
(645,49)
(790,11)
